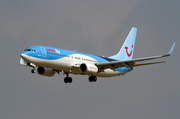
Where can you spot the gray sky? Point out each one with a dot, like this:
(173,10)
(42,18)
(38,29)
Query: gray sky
(97,27)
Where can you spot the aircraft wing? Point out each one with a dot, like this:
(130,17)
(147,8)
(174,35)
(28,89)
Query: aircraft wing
(132,62)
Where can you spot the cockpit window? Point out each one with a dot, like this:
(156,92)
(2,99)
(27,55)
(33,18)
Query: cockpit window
(33,50)
(27,50)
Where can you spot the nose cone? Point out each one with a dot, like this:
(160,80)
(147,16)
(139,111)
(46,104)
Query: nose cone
(24,57)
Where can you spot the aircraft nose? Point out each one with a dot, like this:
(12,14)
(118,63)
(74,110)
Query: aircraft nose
(24,57)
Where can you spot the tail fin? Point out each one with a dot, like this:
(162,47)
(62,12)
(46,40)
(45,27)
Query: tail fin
(127,50)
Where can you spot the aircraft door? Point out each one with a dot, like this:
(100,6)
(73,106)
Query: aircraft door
(81,59)
(43,52)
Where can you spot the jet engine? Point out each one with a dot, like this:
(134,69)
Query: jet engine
(45,71)
(88,68)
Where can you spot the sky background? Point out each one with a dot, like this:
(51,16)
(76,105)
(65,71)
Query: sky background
(97,27)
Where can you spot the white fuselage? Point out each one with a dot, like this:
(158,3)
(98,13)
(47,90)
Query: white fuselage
(66,64)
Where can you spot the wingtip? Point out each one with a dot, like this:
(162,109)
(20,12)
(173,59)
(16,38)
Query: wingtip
(171,50)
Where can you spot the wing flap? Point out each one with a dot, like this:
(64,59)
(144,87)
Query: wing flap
(135,65)
(129,61)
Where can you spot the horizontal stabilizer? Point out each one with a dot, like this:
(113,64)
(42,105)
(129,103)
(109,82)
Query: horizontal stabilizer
(22,62)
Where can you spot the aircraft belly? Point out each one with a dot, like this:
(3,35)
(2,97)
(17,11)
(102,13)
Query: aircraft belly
(59,64)
(65,64)
(108,73)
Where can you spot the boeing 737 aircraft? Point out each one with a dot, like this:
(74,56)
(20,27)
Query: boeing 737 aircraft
(48,60)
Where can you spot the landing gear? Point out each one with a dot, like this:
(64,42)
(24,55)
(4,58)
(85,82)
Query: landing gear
(92,78)
(33,71)
(67,79)
(33,66)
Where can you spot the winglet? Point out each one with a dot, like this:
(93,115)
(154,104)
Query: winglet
(171,50)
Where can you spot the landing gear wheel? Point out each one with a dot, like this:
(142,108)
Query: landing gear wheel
(67,80)
(70,80)
(92,79)
(33,71)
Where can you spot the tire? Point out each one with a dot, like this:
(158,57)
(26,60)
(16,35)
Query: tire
(33,71)
(90,79)
(70,80)
(65,80)
(94,78)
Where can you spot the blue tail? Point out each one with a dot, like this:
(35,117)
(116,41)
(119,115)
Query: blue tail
(127,50)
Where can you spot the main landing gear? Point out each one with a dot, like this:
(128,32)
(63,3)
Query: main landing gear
(67,79)
(92,78)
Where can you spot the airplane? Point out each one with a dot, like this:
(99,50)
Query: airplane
(49,60)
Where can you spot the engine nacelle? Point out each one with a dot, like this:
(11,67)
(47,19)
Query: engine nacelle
(45,72)
(88,68)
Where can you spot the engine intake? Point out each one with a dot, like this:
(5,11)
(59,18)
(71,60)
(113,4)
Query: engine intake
(88,68)
(45,72)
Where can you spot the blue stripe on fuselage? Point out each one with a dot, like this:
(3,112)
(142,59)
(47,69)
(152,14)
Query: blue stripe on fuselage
(123,69)
(50,53)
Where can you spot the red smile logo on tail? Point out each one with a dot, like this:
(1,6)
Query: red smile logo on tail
(129,55)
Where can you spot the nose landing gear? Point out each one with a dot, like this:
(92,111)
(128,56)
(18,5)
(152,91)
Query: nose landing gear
(33,66)
(33,71)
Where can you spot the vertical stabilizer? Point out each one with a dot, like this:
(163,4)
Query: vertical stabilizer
(127,50)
